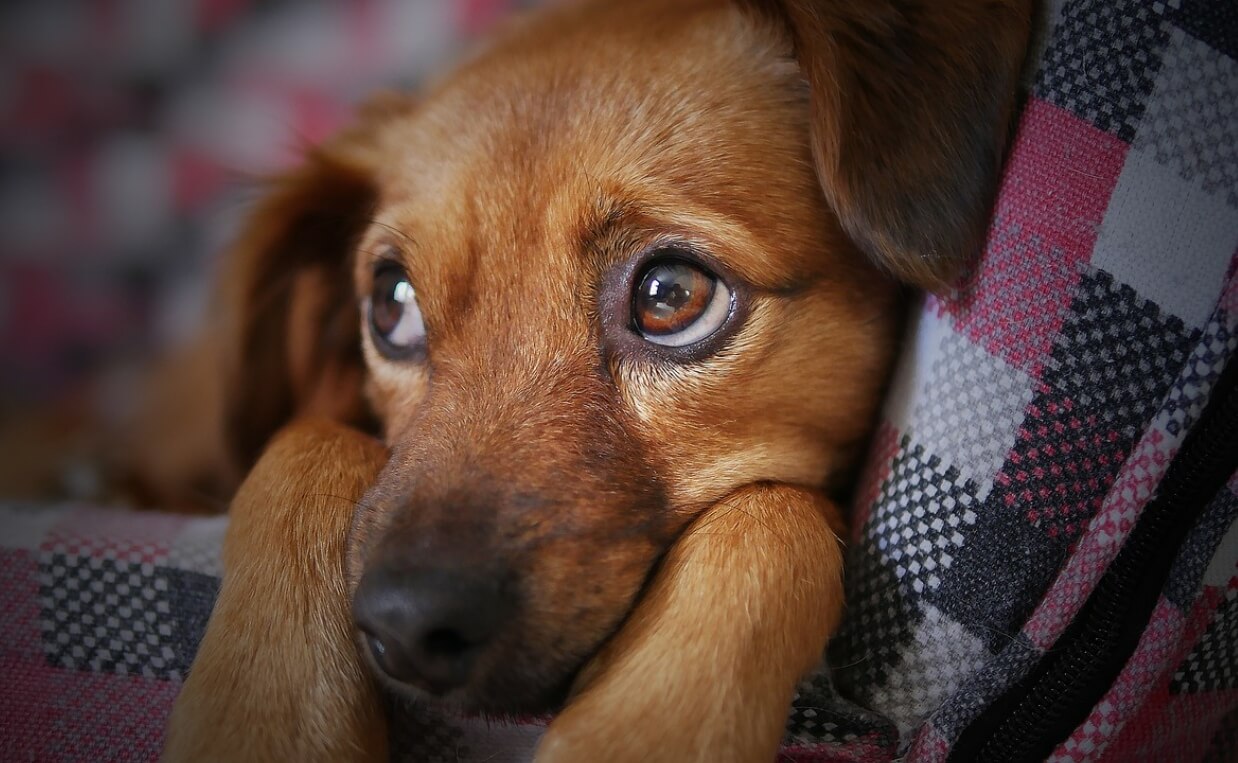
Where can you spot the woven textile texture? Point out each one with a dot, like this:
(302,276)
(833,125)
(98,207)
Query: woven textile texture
(133,134)
(1035,411)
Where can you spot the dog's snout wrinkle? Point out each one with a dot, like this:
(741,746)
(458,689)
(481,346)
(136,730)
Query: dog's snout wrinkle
(426,627)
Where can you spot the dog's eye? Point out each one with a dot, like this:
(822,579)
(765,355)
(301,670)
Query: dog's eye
(395,318)
(677,303)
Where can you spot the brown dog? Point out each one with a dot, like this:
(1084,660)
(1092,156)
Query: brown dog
(623,326)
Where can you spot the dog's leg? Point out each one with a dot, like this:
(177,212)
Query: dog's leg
(707,665)
(277,676)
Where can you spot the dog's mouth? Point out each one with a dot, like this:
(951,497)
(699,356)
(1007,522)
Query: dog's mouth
(491,594)
(480,647)
(514,694)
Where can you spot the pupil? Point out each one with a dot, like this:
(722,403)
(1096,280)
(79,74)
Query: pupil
(672,294)
(676,303)
(392,291)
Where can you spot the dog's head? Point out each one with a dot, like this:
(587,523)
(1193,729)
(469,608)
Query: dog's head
(629,258)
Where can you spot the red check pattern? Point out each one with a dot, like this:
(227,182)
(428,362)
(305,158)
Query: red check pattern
(131,134)
(1040,405)
(1034,415)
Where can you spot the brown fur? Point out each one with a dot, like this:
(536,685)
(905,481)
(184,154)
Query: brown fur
(665,521)
(276,676)
(910,112)
(767,555)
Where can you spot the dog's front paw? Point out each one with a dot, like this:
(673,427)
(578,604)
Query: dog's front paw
(277,676)
(706,666)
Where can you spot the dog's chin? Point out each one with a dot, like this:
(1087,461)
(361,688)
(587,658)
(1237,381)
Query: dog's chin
(469,701)
(500,692)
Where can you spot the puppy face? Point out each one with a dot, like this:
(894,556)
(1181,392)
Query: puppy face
(601,291)
(614,268)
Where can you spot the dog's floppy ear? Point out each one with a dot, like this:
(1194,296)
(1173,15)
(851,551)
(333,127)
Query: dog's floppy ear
(290,322)
(910,103)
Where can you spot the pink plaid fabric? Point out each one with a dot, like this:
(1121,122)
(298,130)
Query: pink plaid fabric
(1039,406)
(132,134)
(1034,415)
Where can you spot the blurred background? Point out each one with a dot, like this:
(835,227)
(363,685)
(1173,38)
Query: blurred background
(131,134)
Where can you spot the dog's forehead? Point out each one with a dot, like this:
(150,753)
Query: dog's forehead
(687,112)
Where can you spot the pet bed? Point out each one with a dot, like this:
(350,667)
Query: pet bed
(1026,472)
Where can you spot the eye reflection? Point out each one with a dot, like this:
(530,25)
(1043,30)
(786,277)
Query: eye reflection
(396,322)
(677,303)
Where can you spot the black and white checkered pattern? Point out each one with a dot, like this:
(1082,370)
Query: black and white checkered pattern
(420,735)
(1103,61)
(921,519)
(107,616)
(1213,664)
(1187,122)
(115,616)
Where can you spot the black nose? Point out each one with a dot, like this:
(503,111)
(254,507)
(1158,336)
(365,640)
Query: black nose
(427,626)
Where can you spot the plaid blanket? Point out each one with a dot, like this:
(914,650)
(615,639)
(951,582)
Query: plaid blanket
(131,133)
(1035,414)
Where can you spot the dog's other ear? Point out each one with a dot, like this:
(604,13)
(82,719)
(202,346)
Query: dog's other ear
(290,322)
(910,104)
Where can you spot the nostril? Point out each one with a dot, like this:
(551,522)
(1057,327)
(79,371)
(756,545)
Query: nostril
(445,642)
(429,627)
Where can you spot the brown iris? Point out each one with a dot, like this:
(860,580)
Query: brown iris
(387,307)
(396,323)
(671,296)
